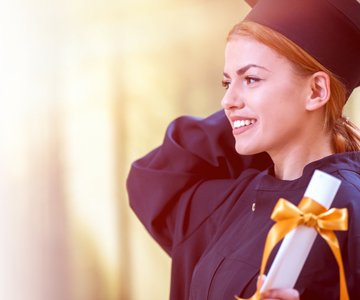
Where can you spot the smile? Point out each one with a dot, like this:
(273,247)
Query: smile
(242,123)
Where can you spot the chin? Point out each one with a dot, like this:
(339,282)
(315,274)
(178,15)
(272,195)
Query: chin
(247,150)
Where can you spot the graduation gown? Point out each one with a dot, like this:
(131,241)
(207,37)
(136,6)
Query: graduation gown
(209,208)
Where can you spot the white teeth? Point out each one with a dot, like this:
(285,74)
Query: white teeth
(242,123)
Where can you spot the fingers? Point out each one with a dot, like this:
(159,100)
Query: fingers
(260,281)
(280,294)
(277,294)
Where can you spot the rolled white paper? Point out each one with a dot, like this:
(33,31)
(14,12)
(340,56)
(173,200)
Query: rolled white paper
(296,245)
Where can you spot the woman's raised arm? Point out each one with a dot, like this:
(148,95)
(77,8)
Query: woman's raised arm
(193,150)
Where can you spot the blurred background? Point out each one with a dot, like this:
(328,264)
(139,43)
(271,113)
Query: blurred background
(87,87)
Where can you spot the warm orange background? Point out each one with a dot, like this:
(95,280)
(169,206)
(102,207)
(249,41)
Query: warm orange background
(86,88)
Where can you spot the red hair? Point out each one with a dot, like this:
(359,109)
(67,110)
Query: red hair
(346,136)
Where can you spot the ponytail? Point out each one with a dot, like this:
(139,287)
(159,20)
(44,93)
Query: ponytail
(346,136)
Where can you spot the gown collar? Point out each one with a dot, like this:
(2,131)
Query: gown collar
(341,161)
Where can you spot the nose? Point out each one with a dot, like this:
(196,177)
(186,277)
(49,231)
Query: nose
(232,99)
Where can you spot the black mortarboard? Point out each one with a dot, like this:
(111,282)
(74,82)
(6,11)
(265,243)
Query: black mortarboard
(329,30)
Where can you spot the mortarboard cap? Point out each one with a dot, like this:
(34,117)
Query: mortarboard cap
(329,30)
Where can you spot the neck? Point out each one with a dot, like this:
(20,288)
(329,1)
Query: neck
(290,163)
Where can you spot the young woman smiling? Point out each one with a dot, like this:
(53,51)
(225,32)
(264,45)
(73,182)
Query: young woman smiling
(292,103)
(209,206)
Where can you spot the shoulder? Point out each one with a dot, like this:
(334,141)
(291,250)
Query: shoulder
(348,196)
(348,171)
(349,191)
(346,167)
(351,180)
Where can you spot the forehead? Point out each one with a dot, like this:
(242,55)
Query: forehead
(242,50)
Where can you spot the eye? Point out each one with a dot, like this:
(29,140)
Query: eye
(226,84)
(251,79)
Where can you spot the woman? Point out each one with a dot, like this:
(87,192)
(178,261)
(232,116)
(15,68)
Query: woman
(209,207)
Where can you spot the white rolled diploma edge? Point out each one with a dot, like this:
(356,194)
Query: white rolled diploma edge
(296,245)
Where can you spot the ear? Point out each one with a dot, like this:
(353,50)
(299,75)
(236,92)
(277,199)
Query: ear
(319,91)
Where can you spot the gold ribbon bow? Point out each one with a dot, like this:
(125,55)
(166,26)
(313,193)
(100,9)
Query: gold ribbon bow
(312,214)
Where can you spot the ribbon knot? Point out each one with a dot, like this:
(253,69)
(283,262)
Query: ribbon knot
(312,214)
(310,220)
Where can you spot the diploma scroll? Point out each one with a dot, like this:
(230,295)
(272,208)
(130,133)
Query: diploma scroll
(296,245)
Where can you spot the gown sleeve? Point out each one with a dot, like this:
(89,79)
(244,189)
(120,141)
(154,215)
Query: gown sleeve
(193,151)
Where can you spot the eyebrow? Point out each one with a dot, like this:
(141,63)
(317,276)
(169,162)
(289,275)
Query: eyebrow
(242,70)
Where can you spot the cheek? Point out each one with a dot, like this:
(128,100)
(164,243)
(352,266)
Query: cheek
(283,126)
(280,120)
(283,103)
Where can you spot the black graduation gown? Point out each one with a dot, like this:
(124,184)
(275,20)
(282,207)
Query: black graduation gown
(195,195)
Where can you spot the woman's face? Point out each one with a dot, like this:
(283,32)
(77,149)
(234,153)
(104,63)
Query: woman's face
(265,98)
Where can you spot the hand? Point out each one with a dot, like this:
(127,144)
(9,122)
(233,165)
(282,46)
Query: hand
(278,294)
